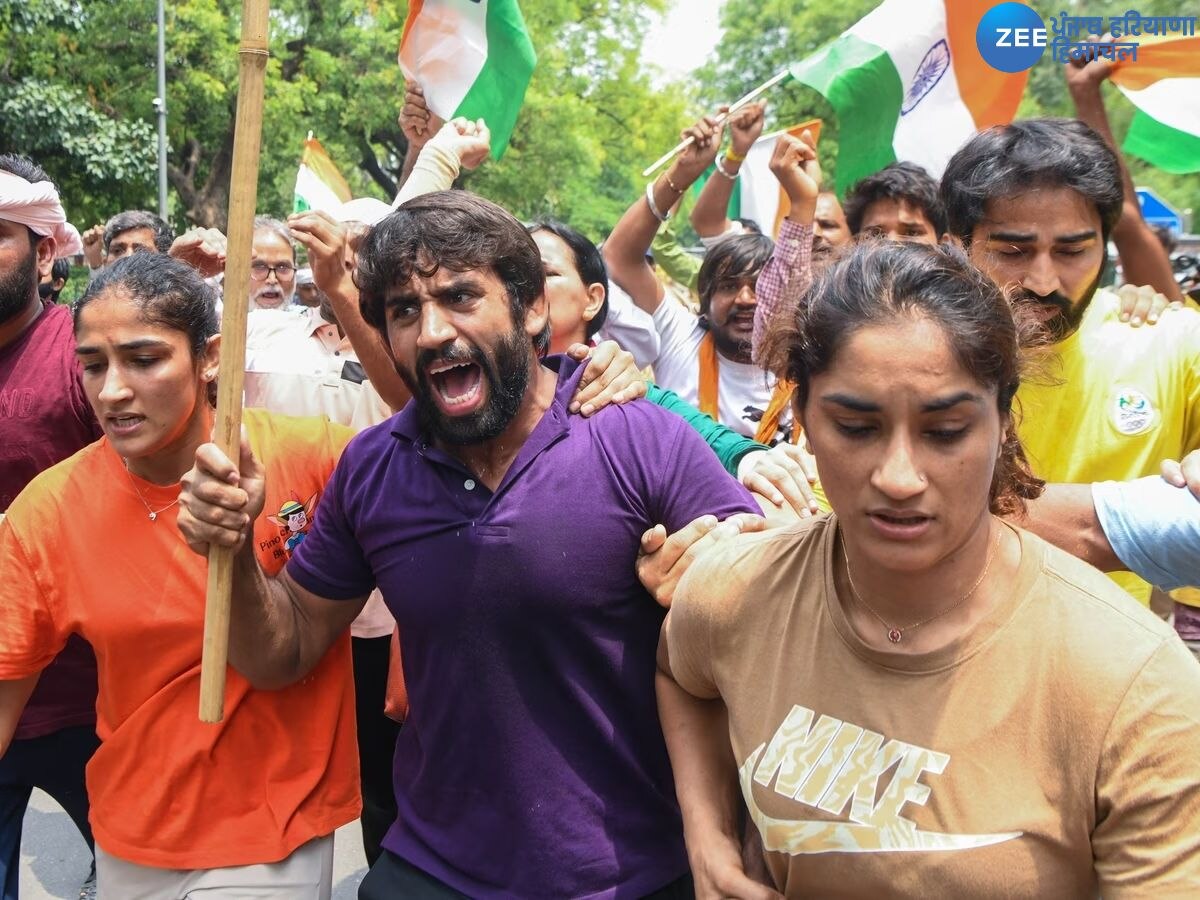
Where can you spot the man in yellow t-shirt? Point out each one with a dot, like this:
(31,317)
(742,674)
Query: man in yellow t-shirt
(1034,203)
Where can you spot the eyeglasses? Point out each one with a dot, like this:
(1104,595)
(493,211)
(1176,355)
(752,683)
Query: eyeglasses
(260,271)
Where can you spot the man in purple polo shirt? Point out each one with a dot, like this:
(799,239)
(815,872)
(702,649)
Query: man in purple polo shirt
(504,535)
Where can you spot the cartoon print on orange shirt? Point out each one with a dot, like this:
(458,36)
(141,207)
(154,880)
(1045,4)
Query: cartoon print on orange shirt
(294,521)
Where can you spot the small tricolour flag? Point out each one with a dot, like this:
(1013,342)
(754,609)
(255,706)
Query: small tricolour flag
(1163,83)
(319,184)
(908,83)
(757,195)
(472,58)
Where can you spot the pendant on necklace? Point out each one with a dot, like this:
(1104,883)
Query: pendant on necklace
(154,515)
(894,635)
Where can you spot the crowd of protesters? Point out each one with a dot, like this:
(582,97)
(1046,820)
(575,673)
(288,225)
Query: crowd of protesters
(580,571)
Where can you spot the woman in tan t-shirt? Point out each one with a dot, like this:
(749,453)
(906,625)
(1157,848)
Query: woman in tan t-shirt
(920,699)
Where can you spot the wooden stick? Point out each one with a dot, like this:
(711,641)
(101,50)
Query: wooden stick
(734,107)
(243,196)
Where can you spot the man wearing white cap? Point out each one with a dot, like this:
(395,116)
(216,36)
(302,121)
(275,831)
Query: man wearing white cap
(44,418)
(307,292)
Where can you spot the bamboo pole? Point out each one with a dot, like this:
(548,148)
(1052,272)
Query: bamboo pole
(243,196)
(734,107)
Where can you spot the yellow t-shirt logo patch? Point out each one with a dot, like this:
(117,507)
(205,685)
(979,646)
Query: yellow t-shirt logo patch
(1132,412)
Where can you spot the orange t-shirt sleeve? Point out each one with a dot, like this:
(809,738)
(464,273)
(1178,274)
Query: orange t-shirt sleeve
(30,637)
(1147,836)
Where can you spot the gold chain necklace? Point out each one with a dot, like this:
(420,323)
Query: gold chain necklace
(895,634)
(133,484)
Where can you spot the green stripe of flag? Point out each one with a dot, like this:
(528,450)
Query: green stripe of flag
(1161,145)
(499,89)
(860,81)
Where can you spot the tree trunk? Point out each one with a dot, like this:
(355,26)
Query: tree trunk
(206,206)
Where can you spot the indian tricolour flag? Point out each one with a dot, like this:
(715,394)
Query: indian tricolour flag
(472,58)
(319,184)
(908,83)
(1164,84)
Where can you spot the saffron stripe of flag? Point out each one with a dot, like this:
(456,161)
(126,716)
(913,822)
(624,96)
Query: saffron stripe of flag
(319,184)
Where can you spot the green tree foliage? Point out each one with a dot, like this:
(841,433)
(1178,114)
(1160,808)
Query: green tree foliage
(760,37)
(78,83)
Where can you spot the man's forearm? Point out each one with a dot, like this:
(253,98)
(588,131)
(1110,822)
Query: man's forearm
(1143,259)
(709,215)
(371,352)
(410,160)
(783,281)
(625,252)
(265,642)
(1066,516)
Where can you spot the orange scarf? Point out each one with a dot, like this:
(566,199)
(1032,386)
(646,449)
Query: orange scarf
(768,427)
(708,377)
(781,399)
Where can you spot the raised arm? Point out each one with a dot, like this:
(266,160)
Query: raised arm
(625,249)
(1143,258)
(418,123)
(332,263)
(709,215)
(788,273)
(278,631)
(459,144)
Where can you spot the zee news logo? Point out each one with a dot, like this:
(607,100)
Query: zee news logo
(1011,37)
(1020,37)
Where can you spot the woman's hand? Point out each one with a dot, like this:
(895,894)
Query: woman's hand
(718,873)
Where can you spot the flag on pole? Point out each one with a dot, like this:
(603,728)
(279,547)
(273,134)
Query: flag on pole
(472,58)
(1163,84)
(908,83)
(319,184)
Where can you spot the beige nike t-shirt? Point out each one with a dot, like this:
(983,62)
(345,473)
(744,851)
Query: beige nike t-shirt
(1053,752)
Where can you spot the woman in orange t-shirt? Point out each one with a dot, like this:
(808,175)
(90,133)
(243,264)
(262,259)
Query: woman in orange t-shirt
(90,547)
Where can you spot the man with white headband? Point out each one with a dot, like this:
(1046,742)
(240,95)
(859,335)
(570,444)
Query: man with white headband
(44,418)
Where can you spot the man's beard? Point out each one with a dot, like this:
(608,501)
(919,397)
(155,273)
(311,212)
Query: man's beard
(1069,316)
(727,342)
(729,346)
(17,286)
(505,372)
